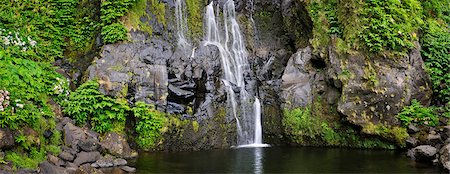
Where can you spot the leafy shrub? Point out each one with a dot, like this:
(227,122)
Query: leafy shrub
(44,29)
(31,85)
(114,33)
(390,24)
(87,104)
(418,114)
(29,161)
(111,10)
(436,51)
(149,123)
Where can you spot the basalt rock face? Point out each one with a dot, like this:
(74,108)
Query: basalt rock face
(185,81)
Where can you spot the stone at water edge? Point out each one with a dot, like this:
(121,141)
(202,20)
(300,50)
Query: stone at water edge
(103,162)
(444,156)
(120,162)
(116,145)
(86,157)
(87,169)
(423,153)
(128,169)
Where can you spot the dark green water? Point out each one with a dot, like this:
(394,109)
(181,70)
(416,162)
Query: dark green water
(281,160)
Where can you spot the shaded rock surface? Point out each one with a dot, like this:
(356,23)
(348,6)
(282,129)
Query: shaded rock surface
(116,144)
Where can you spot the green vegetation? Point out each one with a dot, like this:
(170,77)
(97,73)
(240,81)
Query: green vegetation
(87,104)
(418,114)
(114,33)
(382,26)
(148,125)
(29,161)
(436,51)
(31,86)
(304,128)
(390,25)
(195,23)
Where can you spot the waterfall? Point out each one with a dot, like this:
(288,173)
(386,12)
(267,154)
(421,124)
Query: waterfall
(181,20)
(226,36)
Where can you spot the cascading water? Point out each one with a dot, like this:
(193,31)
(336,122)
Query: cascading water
(229,41)
(182,29)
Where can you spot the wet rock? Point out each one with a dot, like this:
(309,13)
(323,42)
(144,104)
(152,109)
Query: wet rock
(55,160)
(373,90)
(47,168)
(180,92)
(444,156)
(113,170)
(412,129)
(423,153)
(86,157)
(296,84)
(134,69)
(116,145)
(106,161)
(120,162)
(411,142)
(87,169)
(69,150)
(89,145)
(174,108)
(434,139)
(6,138)
(128,169)
(446,132)
(73,134)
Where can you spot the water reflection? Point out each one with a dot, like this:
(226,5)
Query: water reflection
(258,155)
(280,160)
(249,160)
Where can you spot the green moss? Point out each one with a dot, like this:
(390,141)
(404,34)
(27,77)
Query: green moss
(195,126)
(304,126)
(133,18)
(398,134)
(370,75)
(29,161)
(194,19)
(159,10)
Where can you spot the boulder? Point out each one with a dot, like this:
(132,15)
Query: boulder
(66,156)
(6,138)
(73,134)
(116,145)
(86,157)
(120,162)
(128,169)
(55,160)
(47,168)
(423,153)
(89,145)
(411,142)
(103,162)
(412,129)
(87,169)
(375,90)
(444,156)
(296,84)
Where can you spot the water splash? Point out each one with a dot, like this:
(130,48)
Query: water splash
(227,37)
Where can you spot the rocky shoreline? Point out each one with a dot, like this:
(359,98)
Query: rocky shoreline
(429,144)
(84,152)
